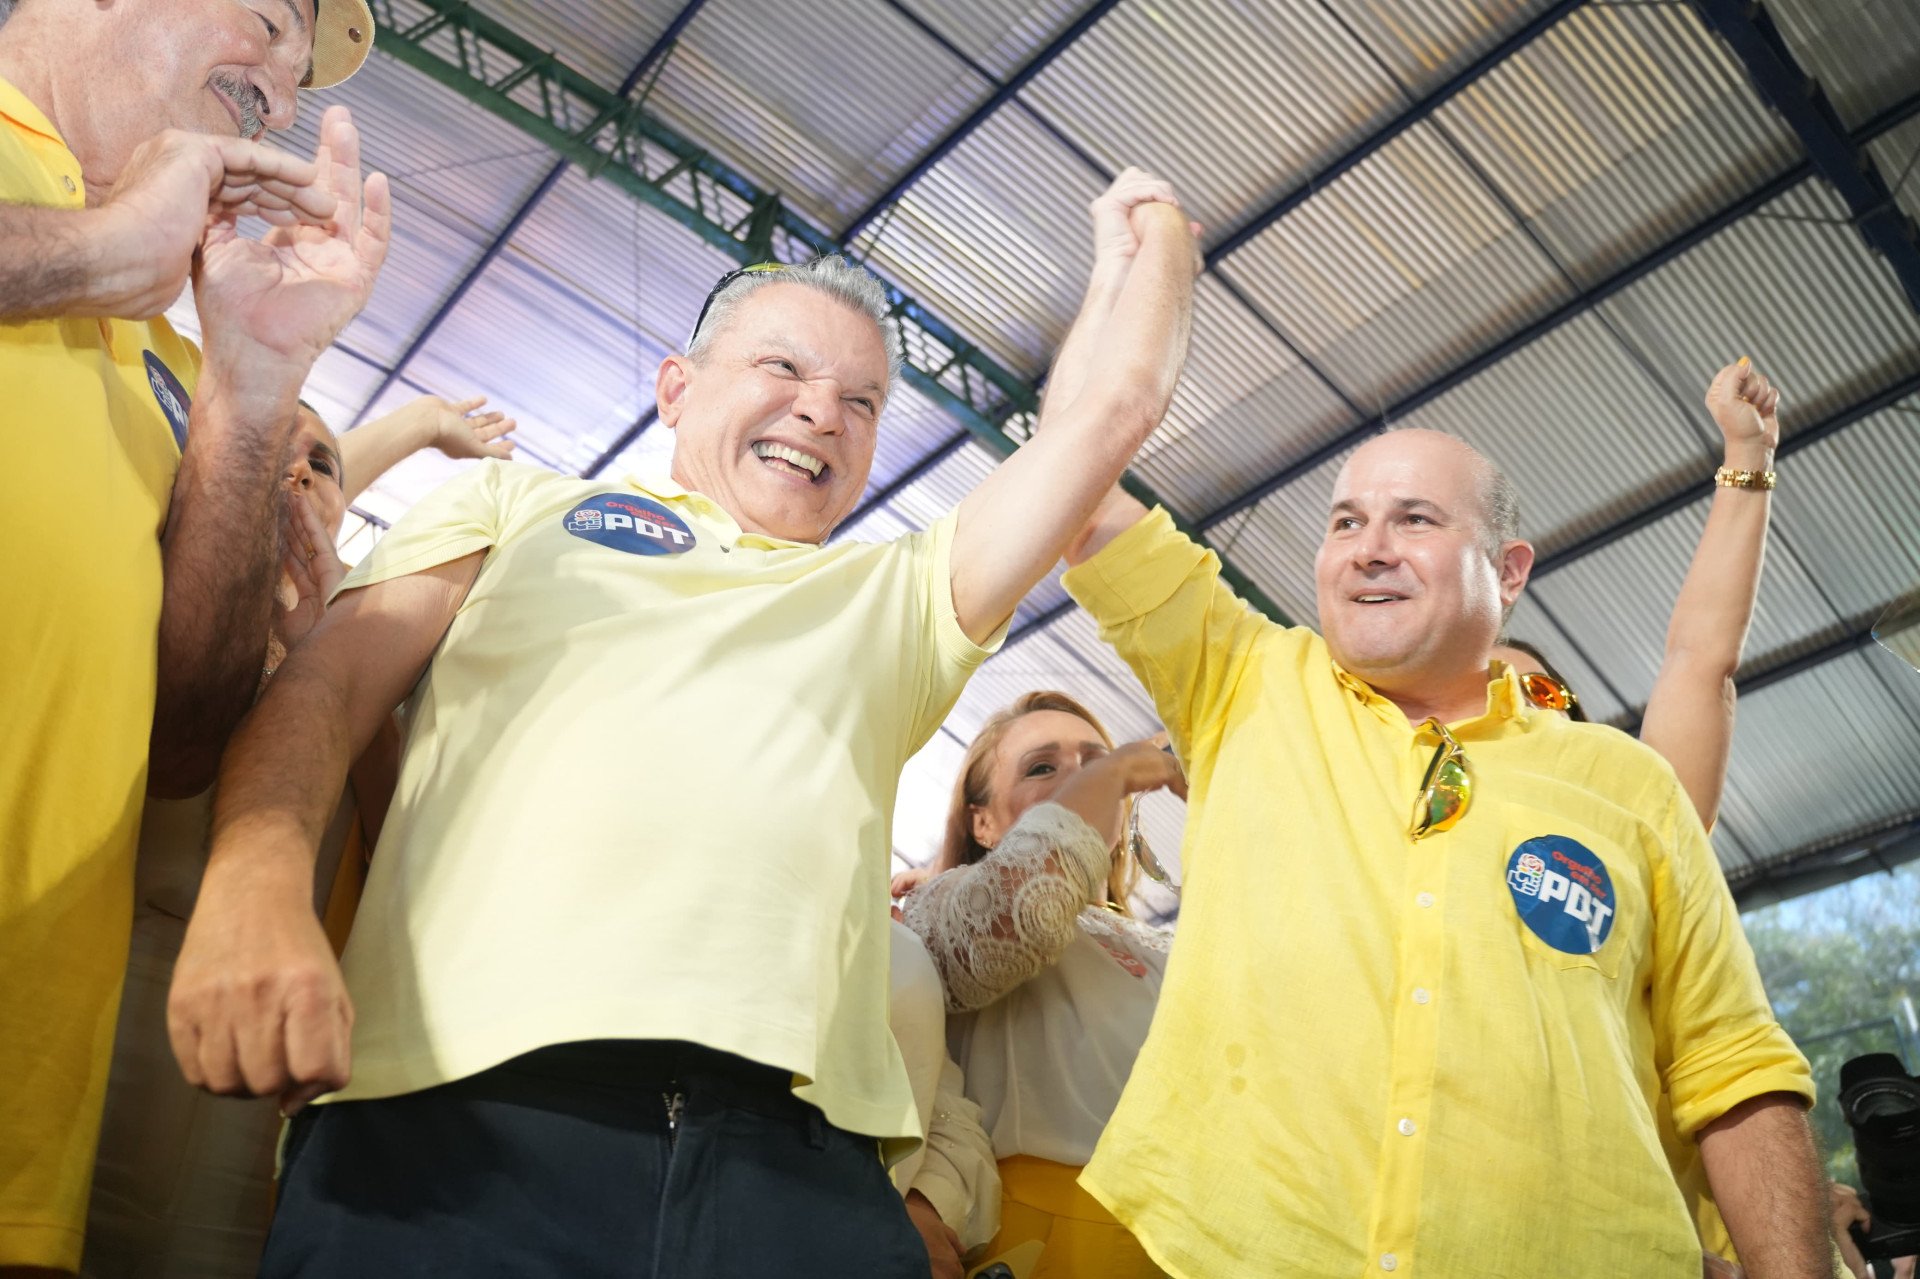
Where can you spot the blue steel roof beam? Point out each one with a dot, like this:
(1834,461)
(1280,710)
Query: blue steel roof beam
(962,131)
(1750,33)
(500,241)
(1573,308)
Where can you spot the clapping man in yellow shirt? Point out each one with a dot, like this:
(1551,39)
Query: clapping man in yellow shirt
(616,997)
(1439,949)
(126,155)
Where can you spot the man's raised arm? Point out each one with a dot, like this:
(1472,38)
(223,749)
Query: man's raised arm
(1013,528)
(258,1006)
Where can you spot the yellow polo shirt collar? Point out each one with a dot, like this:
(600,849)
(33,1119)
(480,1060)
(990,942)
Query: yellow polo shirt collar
(658,481)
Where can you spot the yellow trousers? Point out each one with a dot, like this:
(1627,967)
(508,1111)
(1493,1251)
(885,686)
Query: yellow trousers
(1041,1204)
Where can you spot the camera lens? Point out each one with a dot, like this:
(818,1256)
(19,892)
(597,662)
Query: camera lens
(1882,1105)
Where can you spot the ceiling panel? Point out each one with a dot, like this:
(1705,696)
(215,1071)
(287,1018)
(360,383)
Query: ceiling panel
(1793,286)
(1821,754)
(1585,434)
(1403,268)
(1618,129)
(872,93)
(1245,406)
(1864,53)
(996,240)
(1287,88)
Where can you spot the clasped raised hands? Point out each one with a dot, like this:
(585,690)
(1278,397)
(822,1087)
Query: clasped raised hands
(1116,231)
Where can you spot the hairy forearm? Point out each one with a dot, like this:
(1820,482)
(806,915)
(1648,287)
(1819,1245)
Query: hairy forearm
(221,551)
(370,451)
(1767,1180)
(49,262)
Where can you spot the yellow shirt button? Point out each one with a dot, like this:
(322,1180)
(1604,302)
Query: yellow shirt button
(1406,1128)
(1421,995)
(1389,1262)
(1425,901)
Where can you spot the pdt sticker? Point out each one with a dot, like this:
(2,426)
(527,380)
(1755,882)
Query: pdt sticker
(631,524)
(1563,893)
(172,397)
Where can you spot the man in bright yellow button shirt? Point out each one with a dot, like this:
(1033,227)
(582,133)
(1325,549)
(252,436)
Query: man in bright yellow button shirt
(126,155)
(1439,948)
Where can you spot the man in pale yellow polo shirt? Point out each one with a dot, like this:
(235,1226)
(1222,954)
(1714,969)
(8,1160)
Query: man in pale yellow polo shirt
(1439,949)
(618,984)
(125,146)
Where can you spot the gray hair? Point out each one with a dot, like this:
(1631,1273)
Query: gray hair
(830,274)
(1499,507)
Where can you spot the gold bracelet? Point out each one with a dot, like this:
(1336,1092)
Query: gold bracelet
(1727,477)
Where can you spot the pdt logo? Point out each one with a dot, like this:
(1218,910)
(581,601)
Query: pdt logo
(628,523)
(1563,893)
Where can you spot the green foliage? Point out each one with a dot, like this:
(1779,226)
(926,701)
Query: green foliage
(1842,968)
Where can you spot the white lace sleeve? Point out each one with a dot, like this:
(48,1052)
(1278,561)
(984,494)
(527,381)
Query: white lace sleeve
(994,924)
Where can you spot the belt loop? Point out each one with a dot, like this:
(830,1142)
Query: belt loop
(816,1128)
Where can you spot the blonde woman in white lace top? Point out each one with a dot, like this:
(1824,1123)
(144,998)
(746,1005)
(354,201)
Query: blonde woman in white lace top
(1050,982)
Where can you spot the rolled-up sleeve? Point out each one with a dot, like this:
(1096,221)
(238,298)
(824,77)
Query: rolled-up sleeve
(1717,1042)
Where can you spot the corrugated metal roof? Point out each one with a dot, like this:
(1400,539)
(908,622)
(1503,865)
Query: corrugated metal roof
(1001,35)
(995,239)
(1245,405)
(1617,601)
(603,38)
(458,175)
(1617,129)
(1403,268)
(1422,42)
(1897,155)
(1863,52)
(1821,754)
(911,426)
(941,488)
(1795,287)
(1287,87)
(1578,425)
(877,94)
(1277,543)
(1572,654)
(1849,503)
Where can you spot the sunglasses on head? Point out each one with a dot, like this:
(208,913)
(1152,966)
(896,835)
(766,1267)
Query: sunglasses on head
(756,268)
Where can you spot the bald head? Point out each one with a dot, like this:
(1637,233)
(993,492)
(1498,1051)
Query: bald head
(1420,562)
(1496,501)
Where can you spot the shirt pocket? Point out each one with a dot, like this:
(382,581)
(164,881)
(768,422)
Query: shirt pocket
(1571,895)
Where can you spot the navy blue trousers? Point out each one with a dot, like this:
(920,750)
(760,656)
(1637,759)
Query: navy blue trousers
(629,1160)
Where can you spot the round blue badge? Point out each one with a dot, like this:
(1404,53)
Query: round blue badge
(1563,893)
(171,396)
(628,523)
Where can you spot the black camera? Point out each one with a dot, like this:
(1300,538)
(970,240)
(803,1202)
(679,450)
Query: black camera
(1881,1102)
